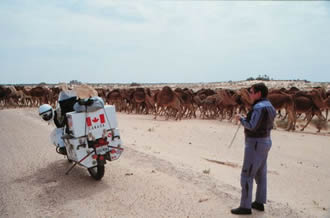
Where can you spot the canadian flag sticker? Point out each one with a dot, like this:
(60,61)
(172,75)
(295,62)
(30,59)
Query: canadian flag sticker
(90,121)
(102,118)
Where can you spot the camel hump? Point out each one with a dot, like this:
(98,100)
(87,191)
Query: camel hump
(167,91)
(294,89)
(303,94)
(166,95)
(139,94)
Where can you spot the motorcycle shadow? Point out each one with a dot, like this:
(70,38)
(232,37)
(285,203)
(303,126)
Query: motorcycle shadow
(56,187)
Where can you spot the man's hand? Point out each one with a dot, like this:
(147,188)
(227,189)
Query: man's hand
(238,117)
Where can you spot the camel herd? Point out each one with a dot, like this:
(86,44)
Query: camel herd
(185,103)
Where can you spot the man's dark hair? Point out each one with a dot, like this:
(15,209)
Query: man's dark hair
(262,88)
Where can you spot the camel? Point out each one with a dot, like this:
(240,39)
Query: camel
(149,101)
(167,98)
(4,95)
(228,102)
(101,92)
(321,99)
(305,103)
(138,99)
(9,96)
(40,95)
(245,98)
(203,93)
(197,102)
(186,98)
(211,106)
(55,91)
(327,105)
(127,99)
(26,98)
(114,97)
(284,101)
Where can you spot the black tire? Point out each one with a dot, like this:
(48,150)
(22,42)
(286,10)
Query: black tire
(97,172)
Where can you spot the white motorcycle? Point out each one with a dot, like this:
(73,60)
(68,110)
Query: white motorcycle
(86,132)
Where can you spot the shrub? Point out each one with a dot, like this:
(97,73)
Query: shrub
(250,79)
(135,84)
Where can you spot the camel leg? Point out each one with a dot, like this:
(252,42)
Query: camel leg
(309,119)
(291,121)
(202,113)
(157,108)
(167,114)
(184,112)
(286,114)
(180,114)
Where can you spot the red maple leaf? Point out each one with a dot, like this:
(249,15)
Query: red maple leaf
(95,120)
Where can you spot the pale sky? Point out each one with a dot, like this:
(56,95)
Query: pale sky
(163,41)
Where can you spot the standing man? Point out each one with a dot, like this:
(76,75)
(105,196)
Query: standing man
(257,127)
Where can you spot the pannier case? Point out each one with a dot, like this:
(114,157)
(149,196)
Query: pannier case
(98,124)
(94,123)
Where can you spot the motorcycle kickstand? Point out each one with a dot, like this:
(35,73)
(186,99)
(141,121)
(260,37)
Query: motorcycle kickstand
(67,172)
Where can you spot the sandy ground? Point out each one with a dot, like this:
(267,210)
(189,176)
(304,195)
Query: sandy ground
(168,169)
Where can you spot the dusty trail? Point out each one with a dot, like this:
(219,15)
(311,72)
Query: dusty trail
(163,172)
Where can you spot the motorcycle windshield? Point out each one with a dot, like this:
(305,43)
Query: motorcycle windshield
(66,94)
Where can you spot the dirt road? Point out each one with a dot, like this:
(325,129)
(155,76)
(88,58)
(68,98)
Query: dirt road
(168,169)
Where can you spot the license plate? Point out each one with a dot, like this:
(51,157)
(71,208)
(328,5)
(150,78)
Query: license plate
(102,150)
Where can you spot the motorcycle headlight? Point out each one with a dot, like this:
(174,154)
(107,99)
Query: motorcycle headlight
(46,112)
(47,116)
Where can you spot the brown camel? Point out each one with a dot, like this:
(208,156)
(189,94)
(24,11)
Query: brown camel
(228,101)
(138,100)
(150,103)
(284,101)
(304,104)
(167,98)
(115,98)
(186,99)
(40,95)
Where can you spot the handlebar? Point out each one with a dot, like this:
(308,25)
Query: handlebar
(86,102)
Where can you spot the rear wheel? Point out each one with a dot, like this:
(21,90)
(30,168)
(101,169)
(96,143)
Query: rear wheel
(97,172)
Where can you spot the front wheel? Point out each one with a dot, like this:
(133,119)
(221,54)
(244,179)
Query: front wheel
(97,172)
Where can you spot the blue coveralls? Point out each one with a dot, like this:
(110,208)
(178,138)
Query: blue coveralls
(257,127)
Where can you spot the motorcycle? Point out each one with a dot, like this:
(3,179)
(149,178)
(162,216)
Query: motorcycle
(87,132)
